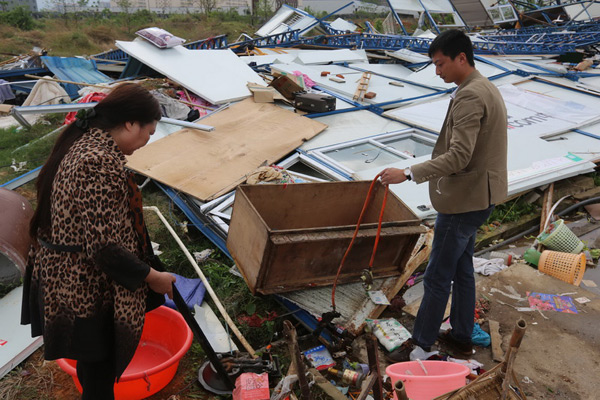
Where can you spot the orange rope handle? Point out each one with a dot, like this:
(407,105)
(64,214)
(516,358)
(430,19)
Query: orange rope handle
(362,213)
(385,195)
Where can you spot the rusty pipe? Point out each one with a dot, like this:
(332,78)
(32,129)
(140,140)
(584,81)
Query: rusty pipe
(400,390)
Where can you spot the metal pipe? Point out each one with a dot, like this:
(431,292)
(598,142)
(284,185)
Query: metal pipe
(400,390)
(187,124)
(534,228)
(209,289)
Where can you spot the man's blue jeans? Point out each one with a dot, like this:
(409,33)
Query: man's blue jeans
(451,260)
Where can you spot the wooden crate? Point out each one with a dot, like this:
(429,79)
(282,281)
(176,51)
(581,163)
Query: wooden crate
(289,237)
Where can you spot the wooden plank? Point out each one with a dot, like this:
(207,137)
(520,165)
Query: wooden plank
(497,353)
(209,164)
(327,387)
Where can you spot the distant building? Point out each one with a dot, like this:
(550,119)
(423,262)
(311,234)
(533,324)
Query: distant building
(30,4)
(181,6)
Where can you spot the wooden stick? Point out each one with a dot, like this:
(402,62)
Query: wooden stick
(63,81)
(292,338)
(371,381)
(326,386)
(497,353)
(546,207)
(207,285)
(195,105)
(373,356)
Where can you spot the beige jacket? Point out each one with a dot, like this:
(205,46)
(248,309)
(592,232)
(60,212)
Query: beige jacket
(467,170)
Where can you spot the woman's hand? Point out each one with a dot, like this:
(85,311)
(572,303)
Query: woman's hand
(392,175)
(160,282)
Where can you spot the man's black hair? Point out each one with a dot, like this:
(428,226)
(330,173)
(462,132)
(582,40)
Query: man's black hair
(451,43)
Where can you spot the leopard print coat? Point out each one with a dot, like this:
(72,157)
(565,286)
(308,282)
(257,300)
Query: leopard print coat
(81,311)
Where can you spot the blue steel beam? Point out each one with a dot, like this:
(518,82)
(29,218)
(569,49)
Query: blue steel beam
(284,39)
(395,42)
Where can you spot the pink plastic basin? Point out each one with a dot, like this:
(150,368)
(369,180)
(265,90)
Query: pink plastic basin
(165,339)
(442,377)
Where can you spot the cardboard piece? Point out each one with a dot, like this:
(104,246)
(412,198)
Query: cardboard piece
(209,164)
(5,108)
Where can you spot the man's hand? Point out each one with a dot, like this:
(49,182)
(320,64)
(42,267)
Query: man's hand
(392,175)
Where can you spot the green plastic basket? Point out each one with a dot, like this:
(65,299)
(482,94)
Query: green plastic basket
(561,238)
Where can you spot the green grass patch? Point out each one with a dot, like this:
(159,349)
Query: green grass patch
(512,211)
(31,146)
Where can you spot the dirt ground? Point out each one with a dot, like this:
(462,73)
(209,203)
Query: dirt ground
(560,352)
(559,356)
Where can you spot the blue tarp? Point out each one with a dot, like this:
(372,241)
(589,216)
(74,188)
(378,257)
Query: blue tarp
(76,70)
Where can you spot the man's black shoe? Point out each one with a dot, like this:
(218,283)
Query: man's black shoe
(456,348)
(402,353)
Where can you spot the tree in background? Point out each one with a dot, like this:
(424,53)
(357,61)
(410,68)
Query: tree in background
(206,6)
(125,6)
(19,17)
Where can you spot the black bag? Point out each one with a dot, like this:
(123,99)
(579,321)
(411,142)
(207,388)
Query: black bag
(314,102)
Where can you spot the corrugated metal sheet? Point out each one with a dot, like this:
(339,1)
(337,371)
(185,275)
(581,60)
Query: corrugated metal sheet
(76,70)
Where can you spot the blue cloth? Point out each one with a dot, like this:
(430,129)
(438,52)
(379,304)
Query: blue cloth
(451,260)
(192,291)
(480,337)
(6,92)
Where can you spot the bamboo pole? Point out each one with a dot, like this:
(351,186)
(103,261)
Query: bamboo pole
(209,289)
(63,81)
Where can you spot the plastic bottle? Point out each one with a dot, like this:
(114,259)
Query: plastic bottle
(532,256)
(348,376)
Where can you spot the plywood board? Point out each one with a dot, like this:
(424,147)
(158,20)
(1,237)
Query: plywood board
(209,164)
(218,76)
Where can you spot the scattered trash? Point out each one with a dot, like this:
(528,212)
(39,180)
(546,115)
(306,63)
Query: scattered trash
(378,297)
(203,256)
(551,302)
(589,283)
(479,337)
(251,386)
(488,267)
(419,354)
(320,357)
(526,380)
(390,333)
(347,376)
(509,295)
(582,300)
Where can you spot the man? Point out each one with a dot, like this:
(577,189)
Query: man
(467,176)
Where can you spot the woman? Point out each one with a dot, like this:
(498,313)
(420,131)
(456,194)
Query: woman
(88,281)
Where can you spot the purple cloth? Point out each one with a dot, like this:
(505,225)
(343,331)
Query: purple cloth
(6,92)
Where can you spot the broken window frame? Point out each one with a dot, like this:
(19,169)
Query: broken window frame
(377,141)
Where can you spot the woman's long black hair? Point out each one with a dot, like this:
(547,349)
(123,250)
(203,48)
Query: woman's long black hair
(128,102)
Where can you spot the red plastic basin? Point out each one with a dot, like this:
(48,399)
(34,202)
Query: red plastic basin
(165,339)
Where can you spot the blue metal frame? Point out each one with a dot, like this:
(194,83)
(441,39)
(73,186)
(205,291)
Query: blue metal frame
(20,72)
(22,179)
(193,217)
(325,24)
(284,39)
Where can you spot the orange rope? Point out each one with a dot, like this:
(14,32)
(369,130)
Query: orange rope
(362,213)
